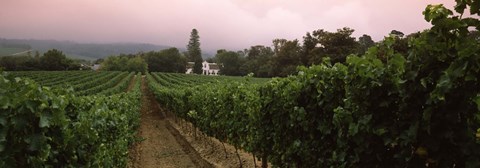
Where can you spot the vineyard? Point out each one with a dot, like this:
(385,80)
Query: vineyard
(365,113)
(362,113)
(92,123)
(77,118)
(380,109)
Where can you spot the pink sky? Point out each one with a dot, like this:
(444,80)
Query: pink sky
(230,24)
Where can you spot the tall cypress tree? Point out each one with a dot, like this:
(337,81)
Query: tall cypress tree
(194,52)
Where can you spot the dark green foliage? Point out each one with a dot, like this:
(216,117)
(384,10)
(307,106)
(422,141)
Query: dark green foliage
(52,60)
(41,127)
(335,45)
(130,63)
(364,43)
(230,63)
(258,61)
(286,57)
(309,44)
(14,63)
(288,54)
(397,33)
(168,60)
(194,51)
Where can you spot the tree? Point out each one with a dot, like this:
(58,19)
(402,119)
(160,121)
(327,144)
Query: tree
(194,51)
(334,45)
(397,33)
(286,57)
(230,62)
(131,63)
(9,63)
(168,60)
(400,44)
(37,55)
(211,60)
(54,60)
(258,61)
(114,63)
(309,43)
(474,34)
(136,64)
(364,42)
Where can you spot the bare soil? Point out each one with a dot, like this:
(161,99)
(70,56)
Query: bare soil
(211,149)
(159,147)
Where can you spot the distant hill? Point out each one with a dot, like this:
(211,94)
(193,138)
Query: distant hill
(86,51)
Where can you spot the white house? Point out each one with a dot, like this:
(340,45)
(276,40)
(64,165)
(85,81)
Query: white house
(207,68)
(210,68)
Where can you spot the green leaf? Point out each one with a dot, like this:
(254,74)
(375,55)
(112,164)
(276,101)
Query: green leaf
(35,142)
(434,13)
(475,7)
(380,131)
(353,129)
(365,119)
(31,105)
(477,100)
(472,163)
(297,143)
(18,122)
(44,121)
(3,135)
(423,82)
(3,121)
(460,6)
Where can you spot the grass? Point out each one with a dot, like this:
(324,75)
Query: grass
(73,56)
(4,51)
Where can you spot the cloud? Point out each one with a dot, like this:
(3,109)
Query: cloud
(230,24)
(351,14)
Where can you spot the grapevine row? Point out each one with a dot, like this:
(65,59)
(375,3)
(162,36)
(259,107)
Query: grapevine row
(110,83)
(389,111)
(43,127)
(84,82)
(120,87)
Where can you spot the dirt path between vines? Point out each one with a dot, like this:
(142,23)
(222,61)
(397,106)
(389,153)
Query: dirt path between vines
(160,147)
(132,83)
